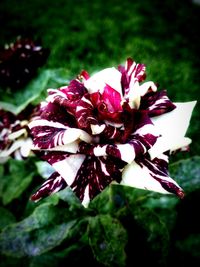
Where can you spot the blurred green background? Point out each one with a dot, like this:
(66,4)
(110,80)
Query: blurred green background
(93,35)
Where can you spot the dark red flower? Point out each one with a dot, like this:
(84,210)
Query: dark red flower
(20,60)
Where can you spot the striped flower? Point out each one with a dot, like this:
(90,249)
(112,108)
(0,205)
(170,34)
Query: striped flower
(110,127)
(14,138)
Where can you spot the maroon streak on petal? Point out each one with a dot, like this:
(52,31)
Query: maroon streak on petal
(53,184)
(85,113)
(131,73)
(111,133)
(158,169)
(156,103)
(56,112)
(74,91)
(52,156)
(67,98)
(96,173)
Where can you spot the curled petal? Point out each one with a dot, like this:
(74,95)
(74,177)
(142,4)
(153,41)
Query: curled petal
(151,175)
(54,112)
(67,97)
(108,104)
(98,81)
(137,91)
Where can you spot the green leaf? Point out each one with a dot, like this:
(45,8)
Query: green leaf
(45,239)
(6,218)
(190,245)
(102,202)
(35,91)
(15,181)
(32,243)
(108,239)
(43,230)
(155,231)
(187,173)
(146,215)
(45,260)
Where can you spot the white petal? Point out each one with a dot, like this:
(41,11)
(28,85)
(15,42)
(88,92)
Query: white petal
(97,129)
(86,198)
(17,134)
(136,91)
(26,147)
(135,176)
(16,145)
(69,167)
(97,82)
(73,134)
(127,152)
(172,126)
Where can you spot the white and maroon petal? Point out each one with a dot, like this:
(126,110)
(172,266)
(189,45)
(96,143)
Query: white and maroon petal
(156,103)
(136,91)
(98,81)
(94,175)
(172,126)
(49,134)
(74,91)
(151,175)
(142,140)
(112,99)
(69,167)
(53,184)
(137,144)
(55,112)
(8,151)
(84,113)
(67,96)
(131,73)
(134,70)
(87,176)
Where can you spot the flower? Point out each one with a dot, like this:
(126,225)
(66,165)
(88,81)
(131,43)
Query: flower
(14,137)
(20,60)
(110,127)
